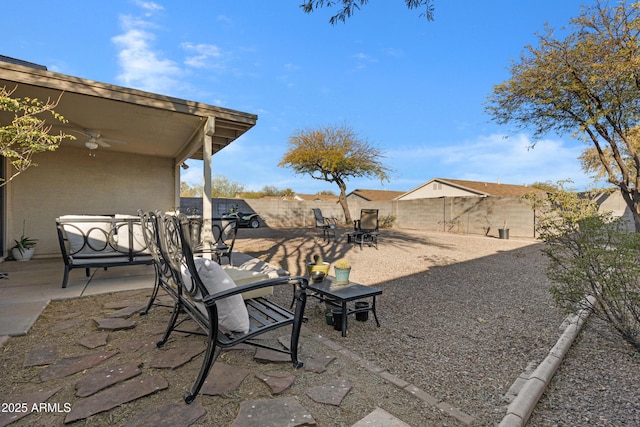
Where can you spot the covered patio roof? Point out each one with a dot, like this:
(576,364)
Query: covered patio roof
(141,122)
(130,120)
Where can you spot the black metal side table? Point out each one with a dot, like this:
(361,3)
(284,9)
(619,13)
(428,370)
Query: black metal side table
(340,294)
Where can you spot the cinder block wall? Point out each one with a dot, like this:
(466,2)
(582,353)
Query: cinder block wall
(468,215)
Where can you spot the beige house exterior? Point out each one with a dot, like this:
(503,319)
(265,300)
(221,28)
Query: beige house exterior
(440,187)
(138,167)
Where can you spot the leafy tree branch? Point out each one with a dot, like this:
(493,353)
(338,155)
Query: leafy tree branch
(27,134)
(348,7)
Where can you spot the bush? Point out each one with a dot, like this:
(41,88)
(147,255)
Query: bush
(387,221)
(592,254)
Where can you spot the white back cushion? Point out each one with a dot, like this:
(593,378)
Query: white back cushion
(232,312)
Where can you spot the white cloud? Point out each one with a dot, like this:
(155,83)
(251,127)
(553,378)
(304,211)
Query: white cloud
(149,6)
(141,66)
(201,55)
(492,158)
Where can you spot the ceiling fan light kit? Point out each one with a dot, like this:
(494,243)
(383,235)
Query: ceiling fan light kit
(91,145)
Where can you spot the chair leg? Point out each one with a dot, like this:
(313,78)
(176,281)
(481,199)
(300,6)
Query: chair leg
(154,294)
(65,277)
(210,357)
(172,323)
(301,301)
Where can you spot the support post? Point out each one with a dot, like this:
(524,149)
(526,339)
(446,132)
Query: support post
(207,205)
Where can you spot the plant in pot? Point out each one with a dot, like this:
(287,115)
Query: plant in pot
(318,269)
(342,269)
(23,249)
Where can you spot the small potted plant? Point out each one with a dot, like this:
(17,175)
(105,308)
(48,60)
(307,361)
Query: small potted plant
(318,269)
(342,269)
(23,249)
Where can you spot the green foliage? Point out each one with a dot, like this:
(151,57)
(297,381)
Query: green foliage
(267,191)
(28,133)
(349,6)
(24,243)
(221,186)
(591,255)
(586,84)
(188,191)
(387,221)
(334,154)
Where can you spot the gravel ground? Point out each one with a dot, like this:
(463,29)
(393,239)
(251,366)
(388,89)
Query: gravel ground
(462,317)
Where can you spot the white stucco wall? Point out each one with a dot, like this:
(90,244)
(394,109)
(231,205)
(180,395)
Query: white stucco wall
(69,181)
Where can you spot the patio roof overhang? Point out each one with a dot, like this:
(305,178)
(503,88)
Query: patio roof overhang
(147,123)
(144,123)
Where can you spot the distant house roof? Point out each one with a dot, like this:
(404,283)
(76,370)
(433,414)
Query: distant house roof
(491,188)
(376,195)
(478,188)
(319,197)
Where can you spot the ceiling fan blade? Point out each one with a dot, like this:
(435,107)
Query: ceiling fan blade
(102,143)
(115,141)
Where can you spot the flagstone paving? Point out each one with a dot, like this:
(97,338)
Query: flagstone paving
(139,366)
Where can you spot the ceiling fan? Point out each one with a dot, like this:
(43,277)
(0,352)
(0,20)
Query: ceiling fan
(96,140)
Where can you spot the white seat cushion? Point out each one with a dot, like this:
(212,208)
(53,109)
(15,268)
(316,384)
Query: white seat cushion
(96,229)
(243,277)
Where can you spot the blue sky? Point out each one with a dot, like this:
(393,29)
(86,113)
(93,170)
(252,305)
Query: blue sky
(413,88)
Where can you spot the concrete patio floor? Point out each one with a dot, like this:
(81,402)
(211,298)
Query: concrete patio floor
(30,286)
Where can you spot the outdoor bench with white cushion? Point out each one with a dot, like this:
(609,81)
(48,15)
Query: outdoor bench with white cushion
(94,241)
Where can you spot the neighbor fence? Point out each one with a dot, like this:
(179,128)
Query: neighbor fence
(469,215)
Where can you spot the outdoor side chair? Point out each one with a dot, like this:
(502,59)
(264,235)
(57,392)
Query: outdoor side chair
(366,229)
(328,225)
(223,238)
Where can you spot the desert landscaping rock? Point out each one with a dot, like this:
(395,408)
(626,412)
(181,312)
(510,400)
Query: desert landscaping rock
(331,393)
(317,363)
(66,324)
(127,311)
(379,418)
(176,357)
(94,340)
(106,377)
(115,324)
(112,397)
(72,365)
(7,417)
(142,345)
(171,415)
(42,355)
(277,381)
(282,411)
(266,355)
(224,379)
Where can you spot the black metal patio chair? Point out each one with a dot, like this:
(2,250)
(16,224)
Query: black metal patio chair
(328,225)
(366,229)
